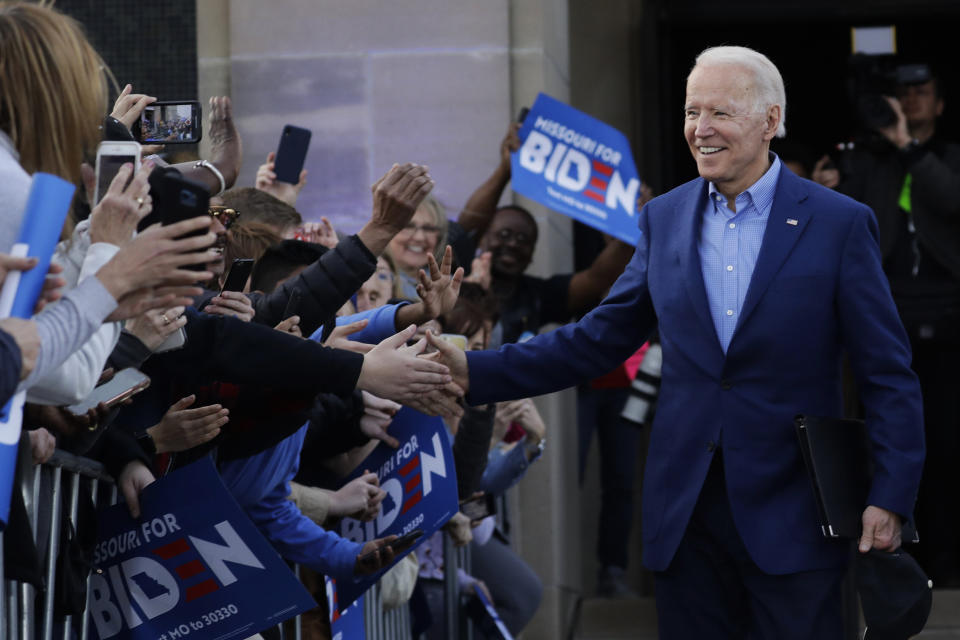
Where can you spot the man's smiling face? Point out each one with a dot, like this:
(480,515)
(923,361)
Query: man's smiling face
(728,134)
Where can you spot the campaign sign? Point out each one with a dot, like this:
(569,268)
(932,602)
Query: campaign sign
(578,166)
(347,624)
(192,566)
(421,485)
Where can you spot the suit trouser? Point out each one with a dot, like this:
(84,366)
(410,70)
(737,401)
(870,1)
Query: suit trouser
(713,589)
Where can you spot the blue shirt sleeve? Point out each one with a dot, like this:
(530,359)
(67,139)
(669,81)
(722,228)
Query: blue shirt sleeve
(298,539)
(504,469)
(382,324)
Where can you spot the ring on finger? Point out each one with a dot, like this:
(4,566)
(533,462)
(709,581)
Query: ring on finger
(165,319)
(140,201)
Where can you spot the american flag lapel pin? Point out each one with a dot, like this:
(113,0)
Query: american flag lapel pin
(792,221)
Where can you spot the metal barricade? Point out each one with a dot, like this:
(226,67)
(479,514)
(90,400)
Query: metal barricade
(24,614)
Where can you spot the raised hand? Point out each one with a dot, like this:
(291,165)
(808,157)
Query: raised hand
(267,181)
(116,216)
(129,106)
(439,291)
(393,370)
(182,428)
(396,197)
(321,233)
(480,270)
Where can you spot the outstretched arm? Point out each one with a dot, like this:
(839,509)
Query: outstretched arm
(478,211)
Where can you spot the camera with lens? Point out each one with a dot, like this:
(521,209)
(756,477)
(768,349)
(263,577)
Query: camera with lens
(873,77)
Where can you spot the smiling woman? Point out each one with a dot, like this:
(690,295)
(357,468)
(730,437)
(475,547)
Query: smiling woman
(426,233)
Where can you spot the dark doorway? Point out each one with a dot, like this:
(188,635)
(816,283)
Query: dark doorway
(809,42)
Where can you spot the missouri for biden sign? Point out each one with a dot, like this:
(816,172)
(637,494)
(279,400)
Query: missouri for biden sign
(578,166)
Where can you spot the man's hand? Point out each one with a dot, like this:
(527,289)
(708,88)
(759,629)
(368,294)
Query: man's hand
(377,416)
(367,564)
(524,412)
(142,300)
(480,270)
(156,325)
(454,358)
(898,134)
(824,173)
(321,233)
(129,106)
(358,499)
(267,181)
(396,197)
(339,338)
(881,530)
(231,304)
(393,370)
(182,428)
(439,291)
(42,444)
(133,479)
(509,144)
(24,333)
(440,402)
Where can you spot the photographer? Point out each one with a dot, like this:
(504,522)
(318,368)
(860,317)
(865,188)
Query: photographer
(911,178)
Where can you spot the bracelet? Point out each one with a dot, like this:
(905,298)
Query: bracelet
(213,168)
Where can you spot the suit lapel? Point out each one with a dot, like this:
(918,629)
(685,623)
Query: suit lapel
(688,217)
(784,226)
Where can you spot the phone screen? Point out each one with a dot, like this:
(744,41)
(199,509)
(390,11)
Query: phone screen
(169,123)
(108,166)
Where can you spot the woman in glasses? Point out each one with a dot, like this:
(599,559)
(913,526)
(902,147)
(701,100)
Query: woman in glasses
(425,234)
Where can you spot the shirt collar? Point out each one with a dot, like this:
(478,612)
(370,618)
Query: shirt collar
(760,193)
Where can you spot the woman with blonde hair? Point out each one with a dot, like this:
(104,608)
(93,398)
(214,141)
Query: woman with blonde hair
(53,96)
(426,233)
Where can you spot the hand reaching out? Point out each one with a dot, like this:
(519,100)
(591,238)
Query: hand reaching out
(393,370)
(133,479)
(153,327)
(454,358)
(358,499)
(321,233)
(377,416)
(267,181)
(338,338)
(182,428)
(439,291)
(291,325)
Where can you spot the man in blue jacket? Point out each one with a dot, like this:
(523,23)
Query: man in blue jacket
(759,281)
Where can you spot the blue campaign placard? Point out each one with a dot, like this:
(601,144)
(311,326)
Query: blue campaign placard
(347,624)
(578,166)
(193,565)
(421,484)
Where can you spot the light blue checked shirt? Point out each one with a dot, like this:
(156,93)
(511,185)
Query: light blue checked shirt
(729,245)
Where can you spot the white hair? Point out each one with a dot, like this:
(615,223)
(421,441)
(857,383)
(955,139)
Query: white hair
(769,82)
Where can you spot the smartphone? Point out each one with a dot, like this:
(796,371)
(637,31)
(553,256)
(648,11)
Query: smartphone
(110,157)
(293,304)
(176,198)
(125,384)
(291,153)
(174,122)
(523,114)
(402,542)
(238,275)
(479,507)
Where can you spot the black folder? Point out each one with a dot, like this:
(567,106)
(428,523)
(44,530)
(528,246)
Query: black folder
(836,453)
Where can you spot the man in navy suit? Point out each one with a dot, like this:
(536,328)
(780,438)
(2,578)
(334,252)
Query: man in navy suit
(759,281)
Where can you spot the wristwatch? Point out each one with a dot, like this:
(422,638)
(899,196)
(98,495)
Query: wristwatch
(534,449)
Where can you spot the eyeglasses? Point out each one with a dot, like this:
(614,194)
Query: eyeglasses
(224,215)
(427,229)
(505,235)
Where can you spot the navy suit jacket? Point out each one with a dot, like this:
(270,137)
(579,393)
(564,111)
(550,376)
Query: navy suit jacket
(818,290)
